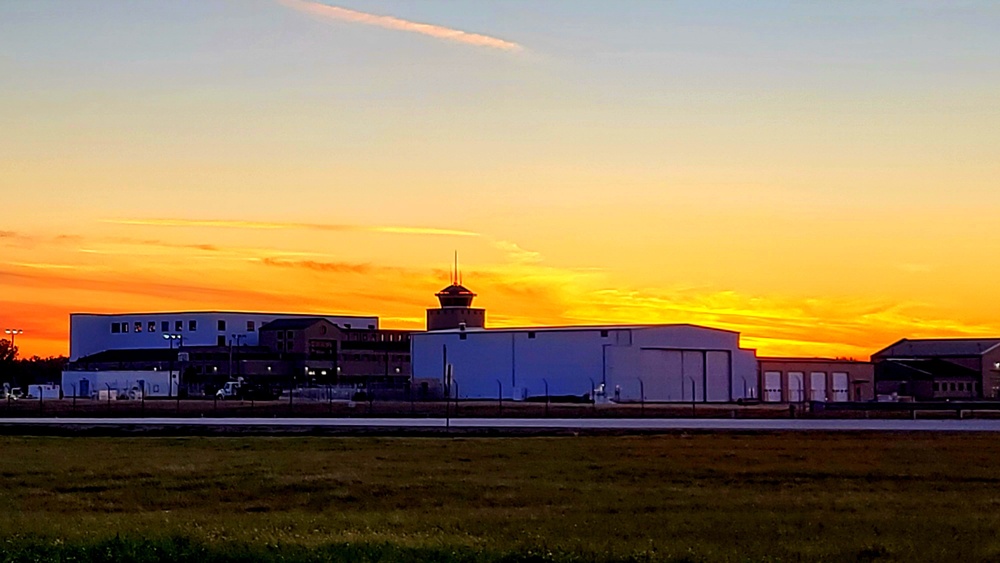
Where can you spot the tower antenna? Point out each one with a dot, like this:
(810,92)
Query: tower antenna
(454,272)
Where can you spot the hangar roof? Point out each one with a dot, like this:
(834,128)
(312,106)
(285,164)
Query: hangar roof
(572,328)
(934,347)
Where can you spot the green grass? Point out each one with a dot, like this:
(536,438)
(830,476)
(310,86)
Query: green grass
(711,497)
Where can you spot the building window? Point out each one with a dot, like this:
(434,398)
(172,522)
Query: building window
(151,326)
(138,327)
(116,328)
(463,336)
(280,345)
(937,386)
(250,326)
(222,325)
(125,327)
(179,326)
(192,326)
(371,327)
(165,326)
(531,335)
(604,334)
(289,335)
(221,340)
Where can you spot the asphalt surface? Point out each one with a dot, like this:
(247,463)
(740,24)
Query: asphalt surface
(619,424)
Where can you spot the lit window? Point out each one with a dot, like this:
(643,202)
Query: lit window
(179,326)
(138,326)
(192,326)
(151,326)
(250,326)
(124,327)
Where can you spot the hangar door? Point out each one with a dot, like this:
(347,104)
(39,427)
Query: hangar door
(685,375)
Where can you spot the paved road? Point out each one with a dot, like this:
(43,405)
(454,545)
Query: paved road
(522,423)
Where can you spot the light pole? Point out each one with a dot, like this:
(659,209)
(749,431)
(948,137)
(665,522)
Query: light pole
(593,393)
(171,338)
(500,397)
(693,399)
(237,338)
(642,398)
(12,332)
(546,382)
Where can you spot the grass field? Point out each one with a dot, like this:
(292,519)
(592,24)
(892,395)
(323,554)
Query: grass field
(711,497)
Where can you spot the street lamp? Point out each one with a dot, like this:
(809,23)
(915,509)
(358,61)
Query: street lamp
(171,338)
(12,332)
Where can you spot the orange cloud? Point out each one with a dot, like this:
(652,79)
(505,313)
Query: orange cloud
(389,22)
(391,229)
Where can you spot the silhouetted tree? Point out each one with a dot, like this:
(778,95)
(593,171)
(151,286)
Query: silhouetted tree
(8,352)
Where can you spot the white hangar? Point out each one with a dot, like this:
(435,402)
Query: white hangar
(675,362)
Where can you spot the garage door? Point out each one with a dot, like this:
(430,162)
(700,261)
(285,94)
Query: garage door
(840,386)
(772,386)
(796,387)
(817,386)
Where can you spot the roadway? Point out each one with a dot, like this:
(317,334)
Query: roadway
(598,424)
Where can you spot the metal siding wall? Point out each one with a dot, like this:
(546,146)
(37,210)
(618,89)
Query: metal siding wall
(567,360)
(661,375)
(719,377)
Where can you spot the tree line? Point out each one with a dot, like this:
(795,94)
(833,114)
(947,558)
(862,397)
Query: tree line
(19,372)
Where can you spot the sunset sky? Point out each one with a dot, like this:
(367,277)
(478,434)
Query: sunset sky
(822,176)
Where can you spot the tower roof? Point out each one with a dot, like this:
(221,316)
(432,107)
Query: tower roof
(455,290)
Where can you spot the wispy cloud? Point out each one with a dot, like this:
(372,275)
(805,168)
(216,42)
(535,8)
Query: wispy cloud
(516,253)
(264,225)
(398,24)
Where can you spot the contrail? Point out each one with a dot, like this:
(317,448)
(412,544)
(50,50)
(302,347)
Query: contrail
(389,22)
